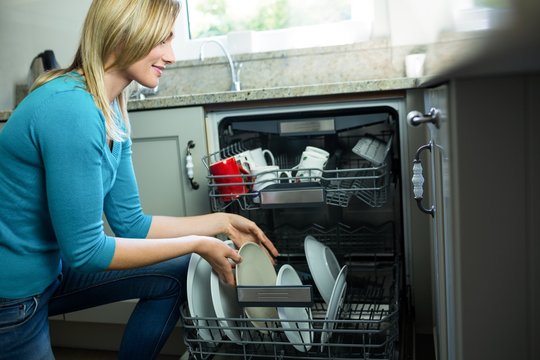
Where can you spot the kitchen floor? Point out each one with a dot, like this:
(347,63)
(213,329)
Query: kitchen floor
(61,353)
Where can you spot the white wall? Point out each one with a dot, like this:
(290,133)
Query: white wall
(27,27)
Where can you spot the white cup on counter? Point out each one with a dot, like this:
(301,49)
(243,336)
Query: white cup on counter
(414,65)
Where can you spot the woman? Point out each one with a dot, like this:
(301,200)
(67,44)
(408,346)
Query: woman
(65,159)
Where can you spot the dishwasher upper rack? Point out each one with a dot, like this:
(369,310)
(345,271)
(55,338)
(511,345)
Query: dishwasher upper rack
(356,178)
(367,327)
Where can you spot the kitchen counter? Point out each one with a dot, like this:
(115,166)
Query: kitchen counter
(365,86)
(225,97)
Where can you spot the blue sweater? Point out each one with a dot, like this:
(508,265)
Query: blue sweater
(58,177)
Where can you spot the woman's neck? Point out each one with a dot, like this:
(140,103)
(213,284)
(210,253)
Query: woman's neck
(114,84)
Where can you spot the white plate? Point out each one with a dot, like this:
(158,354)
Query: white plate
(256,269)
(336,301)
(200,298)
(323,265)
(226,304)
(303,336)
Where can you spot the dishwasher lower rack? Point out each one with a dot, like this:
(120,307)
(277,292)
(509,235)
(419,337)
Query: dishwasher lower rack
(366,327)
(354,178)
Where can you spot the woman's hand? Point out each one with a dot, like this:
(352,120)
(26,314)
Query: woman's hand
(220,256)
(241,230)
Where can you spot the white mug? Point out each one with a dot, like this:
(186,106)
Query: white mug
(313,163)
(318,151)
(251,159)
(259,157)
(264,176)
(245,159)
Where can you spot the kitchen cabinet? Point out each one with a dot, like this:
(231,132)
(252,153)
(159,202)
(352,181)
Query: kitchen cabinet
(484,187)
(160,144)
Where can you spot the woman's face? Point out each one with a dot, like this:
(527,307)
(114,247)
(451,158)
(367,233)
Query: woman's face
(148,70)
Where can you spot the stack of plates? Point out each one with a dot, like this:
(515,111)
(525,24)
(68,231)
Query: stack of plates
(209,298)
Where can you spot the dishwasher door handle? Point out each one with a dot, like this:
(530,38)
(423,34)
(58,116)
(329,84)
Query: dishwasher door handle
(418,180)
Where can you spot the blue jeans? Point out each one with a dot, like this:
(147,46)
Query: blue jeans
(24,328)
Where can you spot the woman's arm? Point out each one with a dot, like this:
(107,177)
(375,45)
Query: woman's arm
(237,228)
(131,253)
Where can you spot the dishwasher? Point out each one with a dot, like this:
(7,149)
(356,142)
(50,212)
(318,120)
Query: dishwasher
(353,205)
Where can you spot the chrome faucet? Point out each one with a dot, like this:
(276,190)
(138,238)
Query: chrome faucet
(235,67)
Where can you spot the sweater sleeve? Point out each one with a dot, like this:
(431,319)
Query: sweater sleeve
(122,204)
(70,134)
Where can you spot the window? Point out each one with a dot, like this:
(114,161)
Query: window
(473,15)
(268,25)
(251,26)
(219,17)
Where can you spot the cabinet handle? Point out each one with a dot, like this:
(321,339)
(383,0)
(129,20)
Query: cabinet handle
(418,180)
(416,118)
(190,166)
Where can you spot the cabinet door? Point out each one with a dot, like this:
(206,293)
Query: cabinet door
(160,141)
(442,254)
(437,204)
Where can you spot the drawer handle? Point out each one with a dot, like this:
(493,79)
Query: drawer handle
(418,180)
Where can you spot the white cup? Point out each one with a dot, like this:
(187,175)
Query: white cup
(264,176)
(317,150)
(310,166)
(414,65)
(251,159)
(246,160)
(259,157)
(285,176)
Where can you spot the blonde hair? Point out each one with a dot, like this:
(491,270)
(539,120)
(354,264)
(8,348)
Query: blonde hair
(125,29)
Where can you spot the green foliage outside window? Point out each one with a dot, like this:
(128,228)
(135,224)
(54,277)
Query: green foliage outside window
(214,17)
(492,3)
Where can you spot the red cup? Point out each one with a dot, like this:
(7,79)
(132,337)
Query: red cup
(228,178)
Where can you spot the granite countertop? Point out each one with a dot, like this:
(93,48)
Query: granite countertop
(365,86)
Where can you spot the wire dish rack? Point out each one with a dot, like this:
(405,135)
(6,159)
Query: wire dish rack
(367,322)
(356,177)
(366,327)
